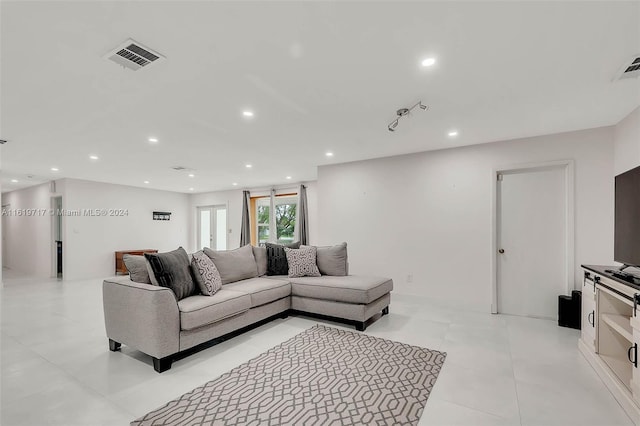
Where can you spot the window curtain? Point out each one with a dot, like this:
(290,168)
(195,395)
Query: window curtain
(245,230)
(273,226)
(302,217)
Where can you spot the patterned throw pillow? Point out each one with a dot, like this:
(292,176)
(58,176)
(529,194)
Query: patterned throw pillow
(205,273)
(302,262)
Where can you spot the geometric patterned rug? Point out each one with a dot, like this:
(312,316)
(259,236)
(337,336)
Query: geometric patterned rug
(321,376)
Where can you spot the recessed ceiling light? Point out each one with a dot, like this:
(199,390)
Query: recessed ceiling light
(248,166)
(235,184)
(288,177)
(427,62)
(93,157)
(453,133)
(329,154)
(190,189)
(192,175)
(14,180)
(153,140)
(247,113)
(146,181)
(54,169)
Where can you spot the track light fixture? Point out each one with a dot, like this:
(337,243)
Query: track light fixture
(402,112)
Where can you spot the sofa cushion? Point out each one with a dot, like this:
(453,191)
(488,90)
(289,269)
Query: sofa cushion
(302,262)
(277,259)
(260,253)
(172,270)
(197,311)
(332,260)
(349,289)
(234,265)
(137,267)
(262,290)
(205,274)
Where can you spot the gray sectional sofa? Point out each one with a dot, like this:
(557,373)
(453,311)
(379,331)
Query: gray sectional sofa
(149,317)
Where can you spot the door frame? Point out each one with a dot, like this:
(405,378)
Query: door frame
(568,166)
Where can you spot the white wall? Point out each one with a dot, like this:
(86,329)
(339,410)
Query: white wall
(29,238)
(627,142)
(429,214)
(233,201)
(89,242)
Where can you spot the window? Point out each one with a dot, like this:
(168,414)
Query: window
(278,229)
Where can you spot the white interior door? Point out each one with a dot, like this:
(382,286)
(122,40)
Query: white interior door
(212,227)
(531,241)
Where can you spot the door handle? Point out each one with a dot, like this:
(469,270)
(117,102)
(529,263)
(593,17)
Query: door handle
(633,349)
(501,251)
(590,318)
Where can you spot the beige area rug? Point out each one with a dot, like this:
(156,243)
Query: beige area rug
(321,376)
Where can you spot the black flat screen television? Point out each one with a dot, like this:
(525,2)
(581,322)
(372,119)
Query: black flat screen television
(627,218)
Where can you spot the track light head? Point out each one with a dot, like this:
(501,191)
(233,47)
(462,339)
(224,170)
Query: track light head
(403,112)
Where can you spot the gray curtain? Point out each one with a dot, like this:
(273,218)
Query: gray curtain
(303,216)
(245,230)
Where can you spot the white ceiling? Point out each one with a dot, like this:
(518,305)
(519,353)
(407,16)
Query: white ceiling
(319,76)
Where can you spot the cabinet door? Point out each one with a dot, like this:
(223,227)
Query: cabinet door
(589,314)
(632,354)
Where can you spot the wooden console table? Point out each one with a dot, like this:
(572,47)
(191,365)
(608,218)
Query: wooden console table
(120,267)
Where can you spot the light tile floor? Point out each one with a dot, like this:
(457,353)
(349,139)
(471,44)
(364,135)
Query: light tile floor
(500,370)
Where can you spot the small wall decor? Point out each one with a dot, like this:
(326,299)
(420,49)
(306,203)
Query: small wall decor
(161,215)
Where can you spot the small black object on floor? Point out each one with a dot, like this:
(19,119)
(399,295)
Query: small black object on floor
(570,310)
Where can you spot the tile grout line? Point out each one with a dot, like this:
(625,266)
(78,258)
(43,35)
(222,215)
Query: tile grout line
(513,372)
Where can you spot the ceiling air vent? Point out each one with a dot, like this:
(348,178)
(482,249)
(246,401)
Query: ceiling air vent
(630,69)
(133,55)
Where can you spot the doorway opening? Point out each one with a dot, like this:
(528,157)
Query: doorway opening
(56,227)
(533,238)
(5,240)
(212,227)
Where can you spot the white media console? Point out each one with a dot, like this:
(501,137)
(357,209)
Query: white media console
(611,333)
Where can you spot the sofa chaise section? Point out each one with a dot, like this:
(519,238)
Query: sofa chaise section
(351,297)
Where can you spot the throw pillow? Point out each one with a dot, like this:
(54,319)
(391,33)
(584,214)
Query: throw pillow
(137,268)
(332,260)
(205,273)
(302,262)
(234,265)
(260,253)
(277,259)
(172,270)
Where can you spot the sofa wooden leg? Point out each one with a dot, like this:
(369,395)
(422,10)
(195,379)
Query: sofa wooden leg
(162,364)
(113,345)
(385,311)
(361,326)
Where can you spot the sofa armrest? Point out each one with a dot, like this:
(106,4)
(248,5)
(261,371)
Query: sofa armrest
(142,316)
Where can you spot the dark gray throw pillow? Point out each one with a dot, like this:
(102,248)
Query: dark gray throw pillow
(172,270)
(277,259)
(137,268)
